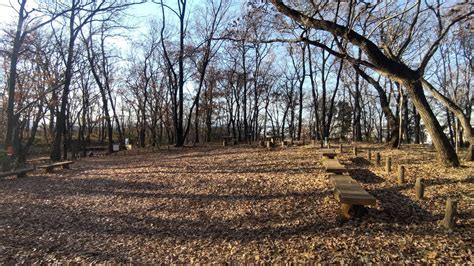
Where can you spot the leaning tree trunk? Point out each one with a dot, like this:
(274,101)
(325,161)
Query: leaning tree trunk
(446,153)
(466,125)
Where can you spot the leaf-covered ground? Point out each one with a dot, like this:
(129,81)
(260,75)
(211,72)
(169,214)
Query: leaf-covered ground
(232,204)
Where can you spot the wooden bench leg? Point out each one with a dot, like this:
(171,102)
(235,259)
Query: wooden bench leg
(49,169)
(65,166)
(346,211)
(20,175)
(352,211)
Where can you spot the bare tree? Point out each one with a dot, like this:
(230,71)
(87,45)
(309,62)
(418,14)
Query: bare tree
(387,61)
(26,24)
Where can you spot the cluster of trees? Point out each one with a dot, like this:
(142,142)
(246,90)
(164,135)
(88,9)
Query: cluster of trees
(395,40)
(389,71)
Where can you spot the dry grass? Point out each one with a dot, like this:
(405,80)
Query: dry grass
(215,204)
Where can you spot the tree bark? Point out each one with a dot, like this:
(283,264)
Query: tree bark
(446,153)
(417,125)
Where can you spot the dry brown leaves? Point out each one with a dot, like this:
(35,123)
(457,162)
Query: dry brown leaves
(231,204)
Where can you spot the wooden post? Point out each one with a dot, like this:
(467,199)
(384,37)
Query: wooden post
(388,165)
(377,159)
(449,214)
(224,143)
(419,188)
(401,174)
(355,151)
(322,144)
(340,148)
(369,155)
(269,145)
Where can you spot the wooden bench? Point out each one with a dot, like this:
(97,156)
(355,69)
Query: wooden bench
(39,159)
(18,172)
(328,153)
(341,179)
(50,167)
(96,148)
(36,161)
(352,196)
(333,166)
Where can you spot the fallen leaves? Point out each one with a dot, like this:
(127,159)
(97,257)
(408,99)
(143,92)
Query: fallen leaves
(236,204)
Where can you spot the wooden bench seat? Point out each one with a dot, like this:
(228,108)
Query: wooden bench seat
(333,166)
(352,196)
(38,160)
(341,179)
(328,153)
(18,172)
(50,167)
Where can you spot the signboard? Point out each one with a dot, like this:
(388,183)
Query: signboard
(10,151)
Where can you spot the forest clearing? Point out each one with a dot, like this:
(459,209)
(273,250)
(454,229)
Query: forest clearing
(232,132)
(233,204)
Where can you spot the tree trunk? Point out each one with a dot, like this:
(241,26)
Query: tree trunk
(406,128)
(463,119)
(357,111)
(417,126)
(445,151)
(300,113)
(384,104)
(61,119)
(11,118)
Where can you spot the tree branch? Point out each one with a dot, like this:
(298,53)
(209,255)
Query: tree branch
(435,45)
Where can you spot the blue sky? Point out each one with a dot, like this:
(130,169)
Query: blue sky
(142,11)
